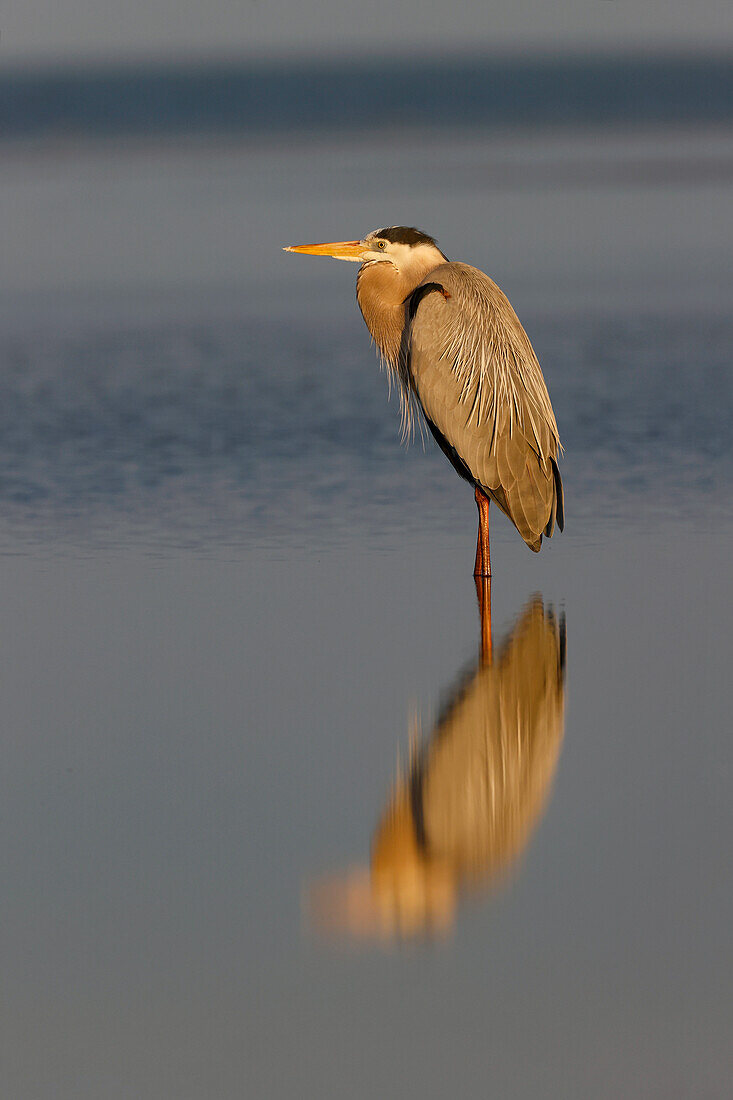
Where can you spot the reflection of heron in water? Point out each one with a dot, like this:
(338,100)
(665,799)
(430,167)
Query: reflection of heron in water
(473,793)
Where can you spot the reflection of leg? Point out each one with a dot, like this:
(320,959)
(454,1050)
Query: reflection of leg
(482,567)
(483,592)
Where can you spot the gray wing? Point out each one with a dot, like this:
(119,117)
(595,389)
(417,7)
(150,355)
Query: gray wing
(469,362)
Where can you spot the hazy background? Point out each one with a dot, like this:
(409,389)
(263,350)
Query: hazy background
(69,30)
(226,590)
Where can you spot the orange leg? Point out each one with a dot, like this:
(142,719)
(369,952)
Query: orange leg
(482,567)
(483,593)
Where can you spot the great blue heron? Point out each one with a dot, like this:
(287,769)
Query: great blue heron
(450,336)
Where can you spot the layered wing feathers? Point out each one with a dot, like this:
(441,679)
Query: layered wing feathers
(471,366)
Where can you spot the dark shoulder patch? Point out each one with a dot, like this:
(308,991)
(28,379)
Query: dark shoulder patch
(417,295)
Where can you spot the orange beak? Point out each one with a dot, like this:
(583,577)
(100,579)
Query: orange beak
(340,250)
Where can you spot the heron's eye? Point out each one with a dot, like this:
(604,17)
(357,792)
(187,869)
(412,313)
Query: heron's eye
(381,244)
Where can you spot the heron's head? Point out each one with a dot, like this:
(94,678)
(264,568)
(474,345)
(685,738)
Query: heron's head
(406,249)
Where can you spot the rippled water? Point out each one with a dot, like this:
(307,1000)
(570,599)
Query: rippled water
(236,432)
(242,689)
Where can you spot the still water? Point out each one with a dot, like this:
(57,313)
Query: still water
(273,823)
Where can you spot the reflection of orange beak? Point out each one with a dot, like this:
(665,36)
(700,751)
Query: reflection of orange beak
(340,250)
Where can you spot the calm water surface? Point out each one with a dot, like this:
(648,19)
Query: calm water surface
(236,613)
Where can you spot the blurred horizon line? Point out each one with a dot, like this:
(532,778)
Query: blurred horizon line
(94,99)
(42,63)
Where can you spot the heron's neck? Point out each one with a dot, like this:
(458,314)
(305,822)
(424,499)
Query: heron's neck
(381,291)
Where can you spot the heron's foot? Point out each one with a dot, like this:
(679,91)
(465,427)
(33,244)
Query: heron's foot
(483,594)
